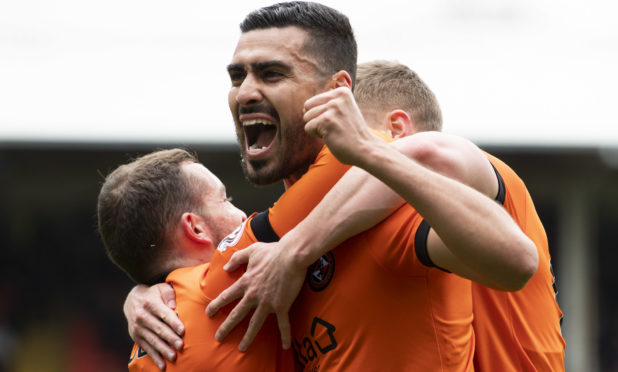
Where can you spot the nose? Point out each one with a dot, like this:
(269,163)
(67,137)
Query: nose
(249,91)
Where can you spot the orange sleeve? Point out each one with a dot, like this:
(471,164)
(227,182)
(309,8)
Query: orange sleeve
(520,330)
(140,362)
(201,351)
(393,242)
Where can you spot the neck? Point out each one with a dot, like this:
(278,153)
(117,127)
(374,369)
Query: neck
(159,278)
(291,179)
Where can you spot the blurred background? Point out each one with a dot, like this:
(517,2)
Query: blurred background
(85,86)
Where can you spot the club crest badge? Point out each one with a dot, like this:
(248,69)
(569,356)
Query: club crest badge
(232,239)
(321,272)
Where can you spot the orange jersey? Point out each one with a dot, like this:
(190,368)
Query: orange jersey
(370,304)
(196,287)
(519,331)
(201,351)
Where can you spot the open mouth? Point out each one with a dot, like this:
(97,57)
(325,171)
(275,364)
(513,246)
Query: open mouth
(259,134)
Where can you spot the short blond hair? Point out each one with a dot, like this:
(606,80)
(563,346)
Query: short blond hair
(383,86)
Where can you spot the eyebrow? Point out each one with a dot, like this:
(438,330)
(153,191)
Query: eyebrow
(259,66)
(235,67)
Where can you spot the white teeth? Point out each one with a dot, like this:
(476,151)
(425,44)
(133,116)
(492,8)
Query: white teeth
(254,148)
(247,123)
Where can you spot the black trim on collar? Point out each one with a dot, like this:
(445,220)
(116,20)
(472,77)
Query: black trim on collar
(263,231)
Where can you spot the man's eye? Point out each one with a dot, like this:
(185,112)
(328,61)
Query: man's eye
(272,75)
(236,78)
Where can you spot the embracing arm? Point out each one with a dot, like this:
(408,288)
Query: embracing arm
(447,179)
(152,322)
(484,243)
(471,235)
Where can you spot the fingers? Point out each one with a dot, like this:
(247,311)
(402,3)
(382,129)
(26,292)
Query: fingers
(164,322)
(238,258)
(167,315)
(232,293)
(312,129)
(322,110)
(167,294)
(156,348)
(314,121)
(284,328)
(149,319)
(317,100)
(148,326)
(236,316)
(156,357)
(324,97)
(255,324)
(314,111)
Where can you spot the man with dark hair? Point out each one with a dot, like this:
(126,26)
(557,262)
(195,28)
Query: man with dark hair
(331,40)
(273,74)
(160,218)
(291,65)
(295,48)
(516,329)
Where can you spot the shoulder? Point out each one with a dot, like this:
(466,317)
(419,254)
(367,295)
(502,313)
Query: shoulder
(187,274)
(452,156)
(433,144)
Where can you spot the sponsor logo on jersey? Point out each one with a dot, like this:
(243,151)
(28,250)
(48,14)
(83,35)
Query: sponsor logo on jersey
(232,239)
(321,340)
(137,353)
(321,272)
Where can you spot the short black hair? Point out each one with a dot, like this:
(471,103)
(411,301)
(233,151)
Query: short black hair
(331,38)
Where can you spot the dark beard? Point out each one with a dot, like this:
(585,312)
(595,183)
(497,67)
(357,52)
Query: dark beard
(298,152)
(291,167)
(255,176)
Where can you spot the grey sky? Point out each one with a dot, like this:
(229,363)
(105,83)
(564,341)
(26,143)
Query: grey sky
(515,72)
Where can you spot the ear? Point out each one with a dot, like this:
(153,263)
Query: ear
(399,124)
(195,229)
(340,79)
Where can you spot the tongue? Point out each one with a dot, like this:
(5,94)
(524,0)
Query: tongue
(265,137)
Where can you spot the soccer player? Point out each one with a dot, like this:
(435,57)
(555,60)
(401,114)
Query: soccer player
(515,331)
(278,64)
(160,218)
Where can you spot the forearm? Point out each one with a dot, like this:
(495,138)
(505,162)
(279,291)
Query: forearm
(356,203)
(473,227)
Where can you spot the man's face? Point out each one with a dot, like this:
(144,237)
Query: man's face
(222,216)
(272,77)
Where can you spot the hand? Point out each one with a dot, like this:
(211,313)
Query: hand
(335,117)
(153,324)
(270,285)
